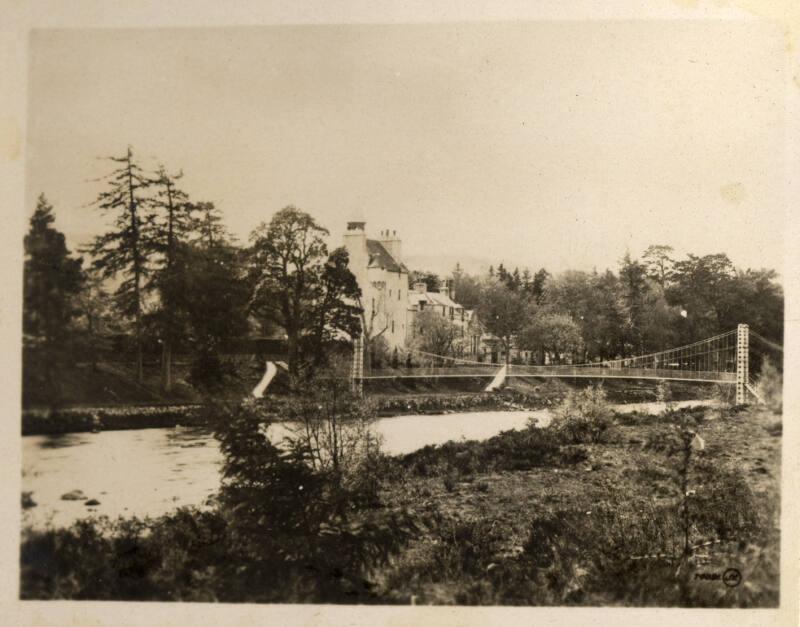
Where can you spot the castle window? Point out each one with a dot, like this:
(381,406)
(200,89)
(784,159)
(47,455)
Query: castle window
(390,292)
(392,326)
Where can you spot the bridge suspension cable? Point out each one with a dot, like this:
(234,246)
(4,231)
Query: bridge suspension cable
(769,343)
(458,360)
(722,358)
(713,354)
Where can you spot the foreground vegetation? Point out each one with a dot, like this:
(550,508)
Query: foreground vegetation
(595,508)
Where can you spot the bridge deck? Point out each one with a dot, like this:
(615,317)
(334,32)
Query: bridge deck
(589,372)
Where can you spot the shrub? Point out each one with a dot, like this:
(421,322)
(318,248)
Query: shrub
(770,386)
(664,395)
(209,372)
(291,523)
(723,395)
(512,450)
(333,433)
(584,417)
(624,550)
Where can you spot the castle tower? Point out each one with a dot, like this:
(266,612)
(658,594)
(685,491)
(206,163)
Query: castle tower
(392,244)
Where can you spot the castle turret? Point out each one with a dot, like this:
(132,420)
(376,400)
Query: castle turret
(392,244)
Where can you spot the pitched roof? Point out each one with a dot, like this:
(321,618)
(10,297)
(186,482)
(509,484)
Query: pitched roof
(379,257)
(434,298)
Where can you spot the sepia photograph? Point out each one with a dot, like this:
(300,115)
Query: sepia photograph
(453,313)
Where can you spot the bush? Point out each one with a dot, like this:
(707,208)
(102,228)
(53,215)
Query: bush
(333,433)
(291,523)
(209,372)
(512,450)
(724,395)
(461,553)
(664,395)
(584,417)
(166,559)
(379,354)
(627,551)
(770,386)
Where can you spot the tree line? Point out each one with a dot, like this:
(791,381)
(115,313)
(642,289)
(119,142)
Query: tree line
(168,273)
(649,304)
(168,276)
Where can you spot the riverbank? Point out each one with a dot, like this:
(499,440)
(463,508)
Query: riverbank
(527,517)
(525,394)
(586,524)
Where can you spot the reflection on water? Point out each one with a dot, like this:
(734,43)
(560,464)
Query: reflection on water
(144,473)
(64,440)
(149,472)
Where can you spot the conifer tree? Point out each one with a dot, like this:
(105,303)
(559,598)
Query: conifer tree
(52,282)
(212,230)
(124,249)
(173,227)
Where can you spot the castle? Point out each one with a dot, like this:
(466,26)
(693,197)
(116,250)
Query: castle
(388,303)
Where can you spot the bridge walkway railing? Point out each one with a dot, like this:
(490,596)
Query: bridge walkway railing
(565,371)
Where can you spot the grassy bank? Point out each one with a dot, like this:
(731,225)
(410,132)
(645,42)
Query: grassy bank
(519,394)
(527,520)
(582,512)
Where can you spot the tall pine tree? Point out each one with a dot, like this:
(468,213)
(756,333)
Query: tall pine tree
(124,249)
(212,230)
(173,227)
(52,282)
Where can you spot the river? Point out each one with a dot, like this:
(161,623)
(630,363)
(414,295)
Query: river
(149,472)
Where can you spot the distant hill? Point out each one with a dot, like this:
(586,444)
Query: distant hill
(443,264)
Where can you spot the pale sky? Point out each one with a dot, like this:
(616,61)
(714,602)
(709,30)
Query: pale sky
(555,144)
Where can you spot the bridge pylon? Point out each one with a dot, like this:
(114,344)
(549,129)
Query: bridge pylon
(742,362)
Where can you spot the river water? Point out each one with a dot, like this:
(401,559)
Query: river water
(149,472)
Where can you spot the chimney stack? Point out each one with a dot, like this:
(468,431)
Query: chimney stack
(392,244)
(355,242)
(449,289)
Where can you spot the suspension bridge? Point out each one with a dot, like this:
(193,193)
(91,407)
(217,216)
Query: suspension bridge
(722,359)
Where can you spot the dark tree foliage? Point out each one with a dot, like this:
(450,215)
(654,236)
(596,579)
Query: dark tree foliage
(758,299)
(431,280)
(336,311)
(555,333)
(538,286)
(467,290)
(650,305)
(124,249)
(503,313)
(658,261)
(298,532)
(634,288)
(702,286)
(52,282)
(211,227)
(173,226)
(212,300)
(300,288)
(604,329)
